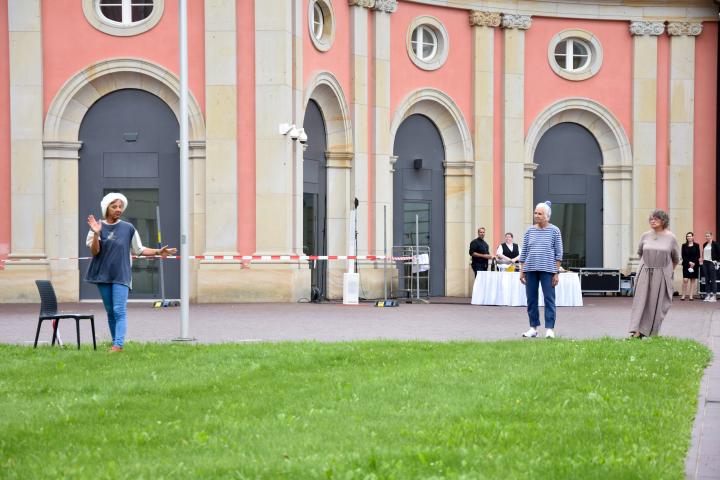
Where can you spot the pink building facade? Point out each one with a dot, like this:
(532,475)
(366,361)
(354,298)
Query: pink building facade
(340,127)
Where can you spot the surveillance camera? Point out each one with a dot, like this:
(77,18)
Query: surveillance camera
(294,133)
(303,136)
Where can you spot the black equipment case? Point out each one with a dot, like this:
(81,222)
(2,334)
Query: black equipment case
(599,280)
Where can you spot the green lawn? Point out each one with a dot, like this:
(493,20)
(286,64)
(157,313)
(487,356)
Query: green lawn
(404,410)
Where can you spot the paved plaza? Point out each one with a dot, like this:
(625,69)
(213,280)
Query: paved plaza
(444,319)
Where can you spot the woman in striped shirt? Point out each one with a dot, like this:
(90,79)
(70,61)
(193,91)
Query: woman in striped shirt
(542,251)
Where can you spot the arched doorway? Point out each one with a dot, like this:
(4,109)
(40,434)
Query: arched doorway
(129,142)
(419,190)
(315,195)
(568,174)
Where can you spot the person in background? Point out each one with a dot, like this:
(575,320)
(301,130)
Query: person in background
(508,252)
(710,255)
(112,242)
(659,254)
(690,254)
(540,257)
(479,252)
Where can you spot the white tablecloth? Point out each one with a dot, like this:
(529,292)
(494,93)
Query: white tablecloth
(504,288)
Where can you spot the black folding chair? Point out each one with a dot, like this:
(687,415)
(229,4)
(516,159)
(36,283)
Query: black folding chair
(49,311)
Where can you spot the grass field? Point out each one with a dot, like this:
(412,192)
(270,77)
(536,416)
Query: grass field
(395,410)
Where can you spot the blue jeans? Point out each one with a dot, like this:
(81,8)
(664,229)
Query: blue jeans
(114,297)
(544,279)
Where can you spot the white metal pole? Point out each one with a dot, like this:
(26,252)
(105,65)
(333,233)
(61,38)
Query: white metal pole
(385,252)
(417,255)
(184,180)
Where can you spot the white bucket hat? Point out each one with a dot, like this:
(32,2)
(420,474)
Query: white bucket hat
(110,198)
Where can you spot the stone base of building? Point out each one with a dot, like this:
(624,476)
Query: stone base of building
(17,283)
(258,282)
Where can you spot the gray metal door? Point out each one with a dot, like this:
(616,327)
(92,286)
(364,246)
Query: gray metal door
(130,146)
(568,174)
(419,189)
(315,194)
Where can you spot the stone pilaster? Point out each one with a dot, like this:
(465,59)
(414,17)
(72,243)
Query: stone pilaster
(196,157)
(275,153)
(27,198)
(381,124)
(61,216)
(458,184)
(517,215)
(483,60)
(644,140)
(359,62)
(528,183)
(617,218)
(339,165)
(682,125)
(26,129)
(221,127)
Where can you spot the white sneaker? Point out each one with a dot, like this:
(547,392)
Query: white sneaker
(549,333)
(532,333)
(707,298)
(712,299)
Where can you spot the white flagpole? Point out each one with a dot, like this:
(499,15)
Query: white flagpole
(184,180)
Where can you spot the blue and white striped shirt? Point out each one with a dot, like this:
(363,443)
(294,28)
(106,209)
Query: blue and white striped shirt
(542,248)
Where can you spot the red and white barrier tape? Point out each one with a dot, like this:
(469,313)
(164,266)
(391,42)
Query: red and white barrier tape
(229,257)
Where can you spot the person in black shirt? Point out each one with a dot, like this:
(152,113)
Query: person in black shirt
(709,257)
(690,254)
(480,252)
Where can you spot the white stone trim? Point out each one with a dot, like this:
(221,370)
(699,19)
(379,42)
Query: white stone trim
(617,168)
(586,9)
(596,54)
(326,40)
(443,45)
(442,110)
(87,86)
(325,89)
(459,168)
(61,147)
(609,133)
(94,18)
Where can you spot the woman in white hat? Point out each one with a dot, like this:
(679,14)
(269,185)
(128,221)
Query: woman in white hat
(112,242)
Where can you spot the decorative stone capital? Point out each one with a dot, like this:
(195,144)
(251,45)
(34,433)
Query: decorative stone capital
(616,172)
(196,150)
(59,150)
(529,170)
(392,161)
(684,29)
(362,3)
(647,28)
(519,22)
(338,159)
(485,19)
(387,6)
(458,169)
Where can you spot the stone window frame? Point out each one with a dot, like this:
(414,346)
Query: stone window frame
(590,41)
(327,38)
(97,20)
(443,42)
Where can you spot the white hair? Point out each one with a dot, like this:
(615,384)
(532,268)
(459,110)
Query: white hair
(545,207)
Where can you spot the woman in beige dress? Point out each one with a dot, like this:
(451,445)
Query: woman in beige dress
(659,254)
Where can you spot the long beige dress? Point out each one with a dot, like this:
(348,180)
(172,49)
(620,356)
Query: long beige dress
(654,282)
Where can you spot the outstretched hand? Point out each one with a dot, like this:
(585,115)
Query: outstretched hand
(94,225)
(165,251)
